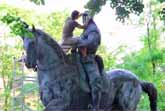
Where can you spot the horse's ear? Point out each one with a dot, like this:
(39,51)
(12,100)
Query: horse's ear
(33,28)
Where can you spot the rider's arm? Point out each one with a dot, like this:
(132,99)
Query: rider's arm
(76,24)
(81,26)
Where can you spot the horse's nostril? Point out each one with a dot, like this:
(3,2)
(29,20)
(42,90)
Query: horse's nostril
(28,63)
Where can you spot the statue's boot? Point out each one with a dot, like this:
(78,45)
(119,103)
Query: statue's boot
(96,97)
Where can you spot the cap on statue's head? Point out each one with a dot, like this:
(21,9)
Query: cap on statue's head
(86,13)
(86,16)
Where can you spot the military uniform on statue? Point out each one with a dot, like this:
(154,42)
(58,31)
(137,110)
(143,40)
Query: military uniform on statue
(90,40)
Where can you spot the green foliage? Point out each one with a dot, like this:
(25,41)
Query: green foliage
(123,7)
(6,70)
(52,23)
(17,26)
(30,87)
(158,9)
(55,24)
(108,58)
(161,1)
(38,2)
(162,14)
(94,6)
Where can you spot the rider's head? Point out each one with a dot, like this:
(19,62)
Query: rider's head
(75,14)
(87,19)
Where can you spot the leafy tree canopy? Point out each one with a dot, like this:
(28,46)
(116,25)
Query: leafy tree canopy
(123,7)
(19,20)
(38,2)
(17,26)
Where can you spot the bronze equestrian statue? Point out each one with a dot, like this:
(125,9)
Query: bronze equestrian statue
(60,80)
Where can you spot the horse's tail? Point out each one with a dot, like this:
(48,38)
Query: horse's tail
(151,90)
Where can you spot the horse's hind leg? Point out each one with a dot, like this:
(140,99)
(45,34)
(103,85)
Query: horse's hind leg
(129,96)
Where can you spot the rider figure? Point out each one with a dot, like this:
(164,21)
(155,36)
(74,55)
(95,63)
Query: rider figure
(69,26)
(88,44)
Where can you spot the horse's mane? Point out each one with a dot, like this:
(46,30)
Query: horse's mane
(52,43)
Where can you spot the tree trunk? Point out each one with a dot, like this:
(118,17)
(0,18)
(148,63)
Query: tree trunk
(149,40)
(150,50)
(6,103)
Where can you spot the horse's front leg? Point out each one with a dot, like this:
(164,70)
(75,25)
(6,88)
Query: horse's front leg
(45,94)
(59,102)
(56,105)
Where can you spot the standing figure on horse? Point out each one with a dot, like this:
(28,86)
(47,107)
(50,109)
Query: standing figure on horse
(89,43)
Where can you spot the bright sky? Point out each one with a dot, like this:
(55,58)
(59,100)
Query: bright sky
(113,33)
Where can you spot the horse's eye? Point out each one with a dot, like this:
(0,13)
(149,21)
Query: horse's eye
(32,42)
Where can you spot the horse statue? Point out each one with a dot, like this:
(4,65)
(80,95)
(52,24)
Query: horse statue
(60,86)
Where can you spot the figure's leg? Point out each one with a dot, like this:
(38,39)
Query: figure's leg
(94,80)
(70,41)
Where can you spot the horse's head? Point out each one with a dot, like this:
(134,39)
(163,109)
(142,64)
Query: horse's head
(31,51)
(42,50)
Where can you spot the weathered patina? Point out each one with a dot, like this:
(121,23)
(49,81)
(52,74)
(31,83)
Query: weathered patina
(59,80)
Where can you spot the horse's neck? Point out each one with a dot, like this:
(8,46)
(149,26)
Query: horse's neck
(46,55)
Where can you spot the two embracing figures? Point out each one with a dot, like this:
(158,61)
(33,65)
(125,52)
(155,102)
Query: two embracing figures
(87,44)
